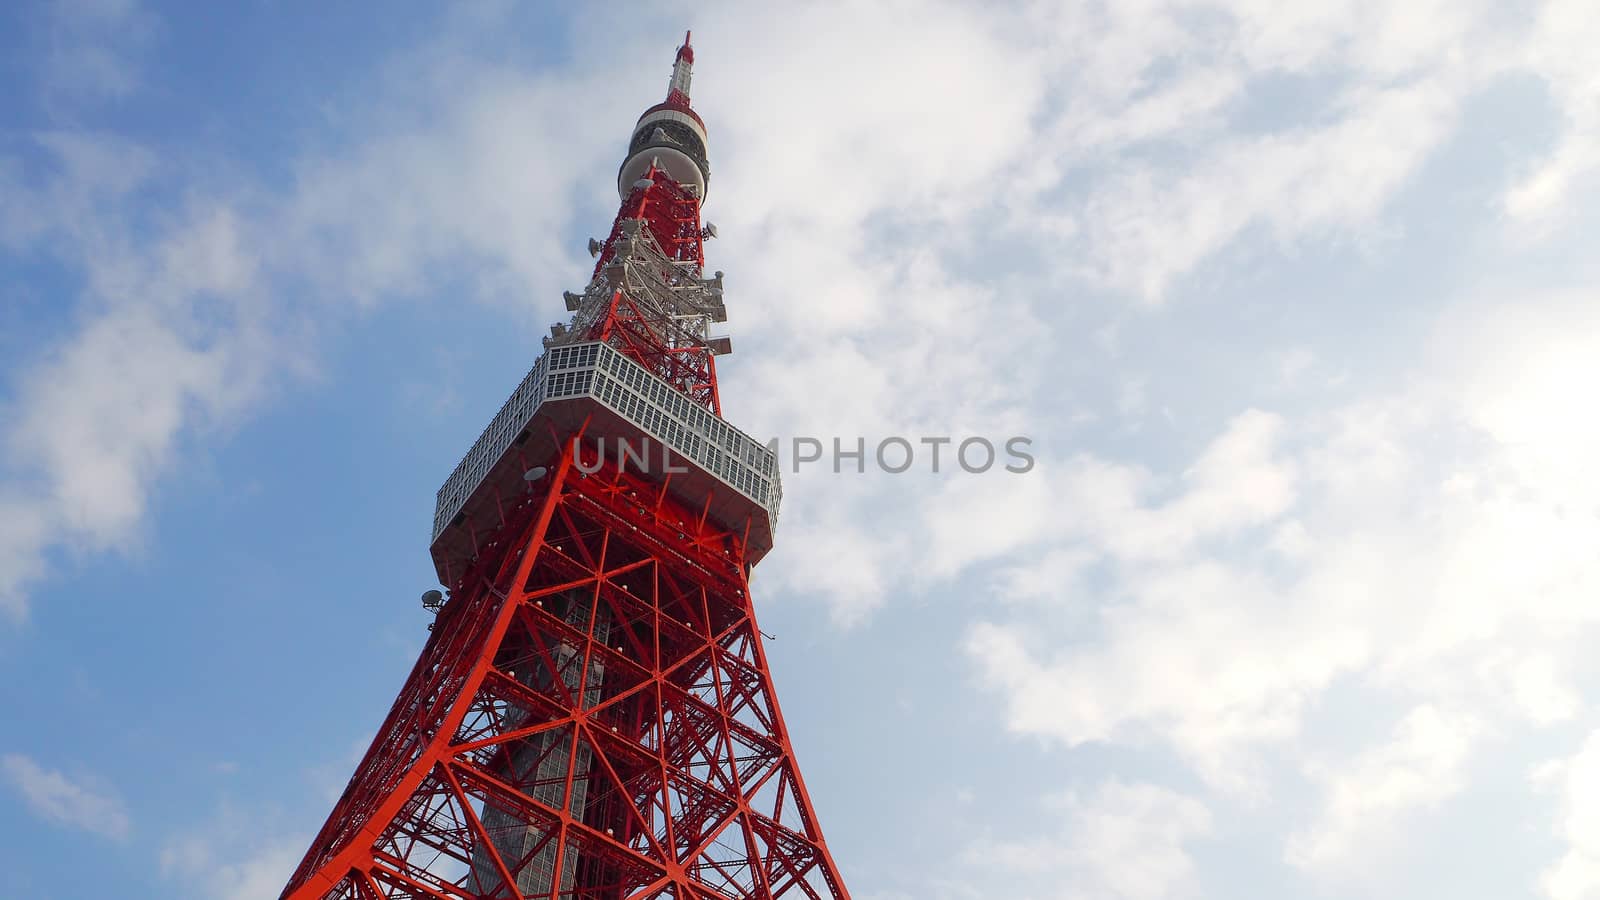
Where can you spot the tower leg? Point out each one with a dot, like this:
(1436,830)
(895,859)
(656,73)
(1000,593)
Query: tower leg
(595,721)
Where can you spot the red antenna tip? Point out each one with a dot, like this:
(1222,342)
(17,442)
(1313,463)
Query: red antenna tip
(686,52)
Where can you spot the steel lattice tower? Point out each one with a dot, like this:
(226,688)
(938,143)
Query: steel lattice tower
(592,716)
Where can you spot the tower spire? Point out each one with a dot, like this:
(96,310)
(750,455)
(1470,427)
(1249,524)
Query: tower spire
(682,69)
(670,136)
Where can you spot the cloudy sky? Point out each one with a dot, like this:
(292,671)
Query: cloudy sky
(1297,303)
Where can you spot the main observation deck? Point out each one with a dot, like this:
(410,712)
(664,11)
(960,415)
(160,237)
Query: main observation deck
(713,465)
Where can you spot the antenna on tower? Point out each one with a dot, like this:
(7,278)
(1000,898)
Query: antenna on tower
(682,69)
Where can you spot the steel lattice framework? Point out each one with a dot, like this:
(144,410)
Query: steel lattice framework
(593,716)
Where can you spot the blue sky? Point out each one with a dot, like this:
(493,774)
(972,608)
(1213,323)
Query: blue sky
(1297,305)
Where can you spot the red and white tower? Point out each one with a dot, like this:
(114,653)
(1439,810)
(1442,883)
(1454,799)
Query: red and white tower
(593,716)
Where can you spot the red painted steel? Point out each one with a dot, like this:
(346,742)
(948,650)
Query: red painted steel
(672,216)
(592,716)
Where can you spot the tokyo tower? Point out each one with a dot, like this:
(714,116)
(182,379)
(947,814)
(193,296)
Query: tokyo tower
(593,716)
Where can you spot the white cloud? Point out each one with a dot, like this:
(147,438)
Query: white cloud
(186,323)
(1151,113)
(1370,801)
(171,347)
(1120,841)
(1150,226)
(61,800)
(1430,549)
(1170,657)
(1204,658)
(877,125)
(25,532)
(1129,150)
(94,49)
(1576,782)
(1561,54)
(232,867)
(102,416)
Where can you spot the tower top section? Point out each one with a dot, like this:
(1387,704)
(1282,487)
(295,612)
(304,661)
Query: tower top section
(682,69)
(670,135)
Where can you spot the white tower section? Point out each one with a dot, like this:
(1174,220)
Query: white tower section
(682,69)
(670,135)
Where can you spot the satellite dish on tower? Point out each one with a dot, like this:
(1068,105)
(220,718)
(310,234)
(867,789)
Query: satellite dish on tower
(432,601)
(595,247)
